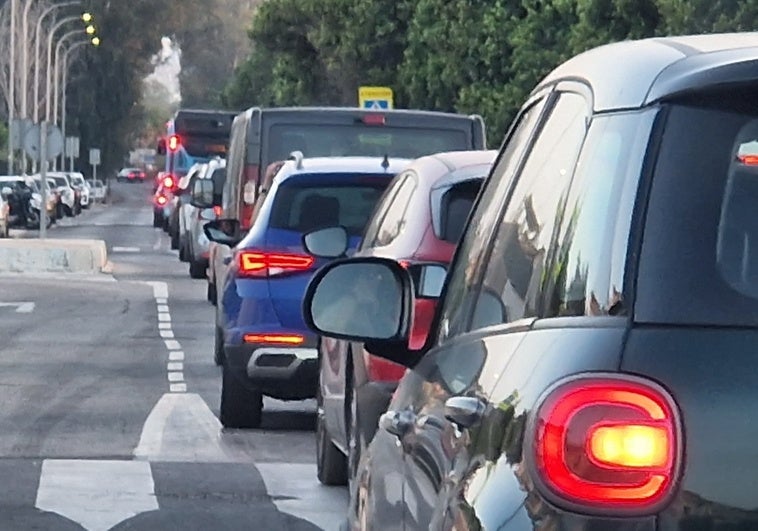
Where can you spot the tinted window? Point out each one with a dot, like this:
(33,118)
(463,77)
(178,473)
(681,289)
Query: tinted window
(312,202)
(375,141)
(381,210)
(454,208)
(699,258)
(218,178)
(60,181)
(586,276)
(394,219)
(519,253)
(470,253)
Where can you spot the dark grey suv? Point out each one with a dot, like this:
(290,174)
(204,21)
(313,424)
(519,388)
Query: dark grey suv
(593,363)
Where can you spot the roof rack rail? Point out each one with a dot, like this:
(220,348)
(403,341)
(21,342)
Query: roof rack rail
(297,156)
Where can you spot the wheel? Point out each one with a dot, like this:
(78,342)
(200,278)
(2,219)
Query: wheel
(331,464)
(68,211)
(174,241)
(157,219)
(196,269)
(211,294)
(218,347)
(241,408)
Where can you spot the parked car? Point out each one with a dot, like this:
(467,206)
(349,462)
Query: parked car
(193,243)
(260,137)
(131,175)
(417,223)
(24,201)
(80,185)
(593,352)
(70,197)
(261,339)
(98,190)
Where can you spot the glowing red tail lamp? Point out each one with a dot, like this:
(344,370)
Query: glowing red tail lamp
(608,444)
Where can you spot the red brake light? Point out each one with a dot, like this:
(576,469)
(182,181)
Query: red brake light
(284,339)
(161,200)
(748,160)
(374,119)
(168,182)
(608,443)
(260,264)
(217,211)
(173,142)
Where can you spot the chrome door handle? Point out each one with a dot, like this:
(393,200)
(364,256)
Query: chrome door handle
(397,422)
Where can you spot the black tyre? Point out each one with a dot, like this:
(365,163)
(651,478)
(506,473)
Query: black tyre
(196,269)
(218,347)
(68,211)
(211,293)
(331,464)
(174,241)
(157,219)
(241,407)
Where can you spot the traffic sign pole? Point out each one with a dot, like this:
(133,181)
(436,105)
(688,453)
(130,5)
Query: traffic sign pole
(43,180)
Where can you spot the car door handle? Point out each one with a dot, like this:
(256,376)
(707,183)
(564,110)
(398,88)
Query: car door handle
(227,260)
(397,422)
(464,411)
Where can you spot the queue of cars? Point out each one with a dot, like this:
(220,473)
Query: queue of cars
(520,340)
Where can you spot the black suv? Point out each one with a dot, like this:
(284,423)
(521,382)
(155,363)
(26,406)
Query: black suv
(593,363)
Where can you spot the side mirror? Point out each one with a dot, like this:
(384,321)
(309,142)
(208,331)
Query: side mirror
(429,280)
(161,147)
(223,231)
(327,243)
(202,194)
(360,299)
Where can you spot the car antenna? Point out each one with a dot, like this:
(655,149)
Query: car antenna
(386,162)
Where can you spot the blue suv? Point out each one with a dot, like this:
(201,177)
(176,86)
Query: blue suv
(264,346)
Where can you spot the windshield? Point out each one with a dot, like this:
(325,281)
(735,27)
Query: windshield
(310,202)
(701,237)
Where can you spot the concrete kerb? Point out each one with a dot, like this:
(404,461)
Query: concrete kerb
(53,256)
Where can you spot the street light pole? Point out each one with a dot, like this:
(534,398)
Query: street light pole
(56,71)
(49,87)
(12,87)
(37,59)
(71,48)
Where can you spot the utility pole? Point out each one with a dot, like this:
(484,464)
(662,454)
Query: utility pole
(12,87)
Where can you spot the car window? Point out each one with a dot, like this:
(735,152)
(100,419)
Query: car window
(394,220)
(311,203)
(586,275)
(381,210)
(699,254)
(454,208)
(467,262)
(515,269)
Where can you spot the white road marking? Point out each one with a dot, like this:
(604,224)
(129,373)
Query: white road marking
(172,344)
(178,387)
(164,326)
(167,334)
(97,495)
(176,355)
(176,377)
(296,491)
(160,289)
(175,366)
(126,249)
(21,307)
(163,308)
(182,428)
(161,301)
(165,317)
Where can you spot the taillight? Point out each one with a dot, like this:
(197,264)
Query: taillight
(217,211)
(161,200)
(374,119)
(381,370)
(261,264)
(249,190)
(282,339)
(608,444)
(168,182)
(748,160)
(174,142)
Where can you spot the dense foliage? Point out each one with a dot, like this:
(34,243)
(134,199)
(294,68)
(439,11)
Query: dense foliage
(479,56)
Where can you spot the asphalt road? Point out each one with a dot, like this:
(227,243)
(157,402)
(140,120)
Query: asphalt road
(110,401)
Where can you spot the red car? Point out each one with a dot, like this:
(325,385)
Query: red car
(417,222)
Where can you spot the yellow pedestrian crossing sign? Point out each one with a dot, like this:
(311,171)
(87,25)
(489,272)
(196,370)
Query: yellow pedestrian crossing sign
(375,98)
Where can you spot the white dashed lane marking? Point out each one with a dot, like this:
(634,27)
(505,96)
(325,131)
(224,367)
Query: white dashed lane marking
(175,365)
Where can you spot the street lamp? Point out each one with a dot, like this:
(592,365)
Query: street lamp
(50,36)
(37,39)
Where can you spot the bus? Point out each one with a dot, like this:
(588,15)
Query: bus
(194,136)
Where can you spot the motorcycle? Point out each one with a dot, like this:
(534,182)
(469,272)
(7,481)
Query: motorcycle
(24,208)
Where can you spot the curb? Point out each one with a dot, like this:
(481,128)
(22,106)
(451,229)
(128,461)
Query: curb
(53,256)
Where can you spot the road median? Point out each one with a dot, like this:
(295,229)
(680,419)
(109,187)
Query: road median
(53,256)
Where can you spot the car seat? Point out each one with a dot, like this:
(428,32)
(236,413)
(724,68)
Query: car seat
(318,212)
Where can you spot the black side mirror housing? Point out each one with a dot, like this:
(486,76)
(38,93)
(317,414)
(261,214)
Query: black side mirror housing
(223,231)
